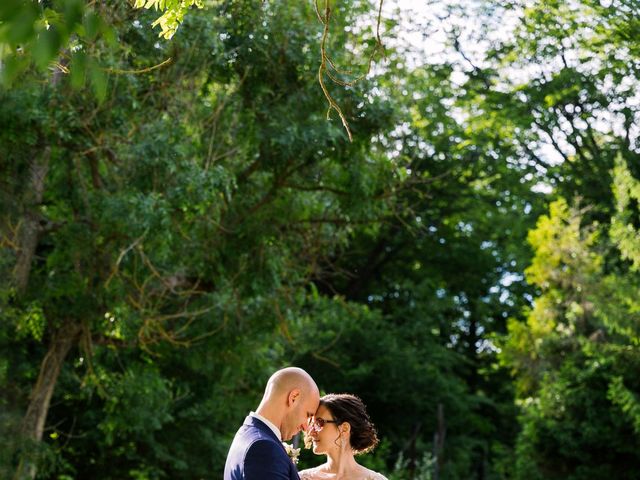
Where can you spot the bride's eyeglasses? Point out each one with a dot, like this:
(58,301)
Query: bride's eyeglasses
(318,423)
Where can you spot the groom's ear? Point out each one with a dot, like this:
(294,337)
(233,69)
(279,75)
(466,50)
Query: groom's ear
(294,396)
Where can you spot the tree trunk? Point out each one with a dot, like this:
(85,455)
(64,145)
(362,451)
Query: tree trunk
(36,416)
(64,337)
(438,443)
(30,229)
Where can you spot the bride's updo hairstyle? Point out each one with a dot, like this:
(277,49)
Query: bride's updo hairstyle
(348,408)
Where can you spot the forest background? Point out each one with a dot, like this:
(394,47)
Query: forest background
(178,219)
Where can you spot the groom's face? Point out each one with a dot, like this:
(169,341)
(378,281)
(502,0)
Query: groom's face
(298,415)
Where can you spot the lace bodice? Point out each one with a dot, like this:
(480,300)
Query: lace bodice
(317,474)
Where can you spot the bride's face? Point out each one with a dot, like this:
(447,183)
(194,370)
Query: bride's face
(326,438)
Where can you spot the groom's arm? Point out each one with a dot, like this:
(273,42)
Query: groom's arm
(265,461)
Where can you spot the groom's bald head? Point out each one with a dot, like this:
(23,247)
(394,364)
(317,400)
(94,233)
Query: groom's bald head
(287,379)
(290,397)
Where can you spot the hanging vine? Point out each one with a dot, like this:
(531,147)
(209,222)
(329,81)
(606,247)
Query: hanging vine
(329,69)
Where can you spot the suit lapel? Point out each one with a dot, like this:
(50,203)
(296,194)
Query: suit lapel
(260,425)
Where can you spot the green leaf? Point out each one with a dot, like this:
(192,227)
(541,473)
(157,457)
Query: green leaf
(46,47)
(92,24)
(73,13)
(98,82)
(19,20)
(12,68)
(78,69)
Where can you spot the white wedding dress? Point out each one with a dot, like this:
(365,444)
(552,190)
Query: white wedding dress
(317,474)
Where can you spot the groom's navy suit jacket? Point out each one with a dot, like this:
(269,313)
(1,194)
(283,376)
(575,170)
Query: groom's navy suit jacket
(257,454)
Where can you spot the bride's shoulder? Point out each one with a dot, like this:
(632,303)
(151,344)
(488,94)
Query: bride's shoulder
(375,476)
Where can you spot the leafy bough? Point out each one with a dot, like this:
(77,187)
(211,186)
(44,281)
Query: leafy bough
(174,12)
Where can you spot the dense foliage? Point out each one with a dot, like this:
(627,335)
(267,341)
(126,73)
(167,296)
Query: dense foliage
(178,218)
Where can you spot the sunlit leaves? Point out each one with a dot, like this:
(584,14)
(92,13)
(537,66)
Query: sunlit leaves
(32,322)
(563,257)
(573,359)
(628,401)
(625,224)
(173,13)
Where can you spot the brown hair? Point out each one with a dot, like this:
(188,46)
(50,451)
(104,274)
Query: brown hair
(346,407)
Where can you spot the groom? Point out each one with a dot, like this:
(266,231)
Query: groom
(290,398)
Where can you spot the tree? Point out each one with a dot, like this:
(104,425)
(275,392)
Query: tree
(574,357)
(189,224)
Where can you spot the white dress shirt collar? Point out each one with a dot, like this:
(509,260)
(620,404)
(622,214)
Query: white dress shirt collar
(273,428)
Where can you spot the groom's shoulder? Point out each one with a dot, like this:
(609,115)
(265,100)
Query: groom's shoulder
(255,448)
(254,429)
(250,444)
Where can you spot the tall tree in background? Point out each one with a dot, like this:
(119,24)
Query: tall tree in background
(573,357)
(186,210)
(576,356)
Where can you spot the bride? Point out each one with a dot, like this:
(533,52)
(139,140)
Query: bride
(340,429)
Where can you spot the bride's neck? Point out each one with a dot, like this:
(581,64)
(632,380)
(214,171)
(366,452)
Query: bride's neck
(341,463)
